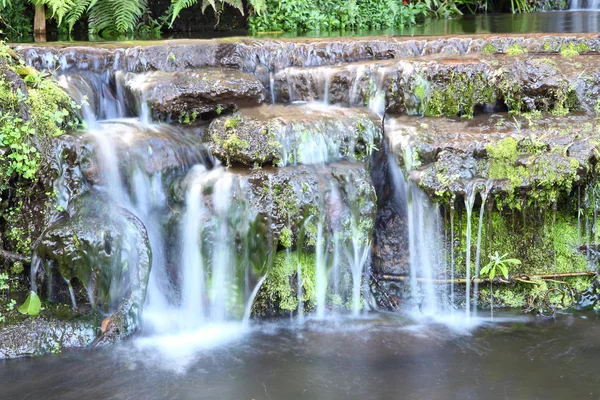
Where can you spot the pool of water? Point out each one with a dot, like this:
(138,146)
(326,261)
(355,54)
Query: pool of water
(382,356)
(542,22)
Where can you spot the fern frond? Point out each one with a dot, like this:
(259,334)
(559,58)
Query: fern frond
(206,3)
(75,13)
(393,6)
(118,15)
(259,6)
(127,13)
(59,8)
(179,5)
(235,4)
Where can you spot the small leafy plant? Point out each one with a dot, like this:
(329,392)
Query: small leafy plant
(32,305)
(498,264)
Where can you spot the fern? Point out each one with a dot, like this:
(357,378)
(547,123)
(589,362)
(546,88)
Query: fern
(179,5)
(59,8)
(117,16)
(393,7)
(75,13)
(259,6)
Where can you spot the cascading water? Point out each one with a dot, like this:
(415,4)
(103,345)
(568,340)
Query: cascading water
(578,5)
(425,240)
(201,274)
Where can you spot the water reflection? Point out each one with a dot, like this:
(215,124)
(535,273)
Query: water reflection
(579,21)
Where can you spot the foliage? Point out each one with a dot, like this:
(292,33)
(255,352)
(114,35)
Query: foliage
(32,305)
(17,20)
(216,5)
(110,18)
(498,263)
(307,15)
(443,9)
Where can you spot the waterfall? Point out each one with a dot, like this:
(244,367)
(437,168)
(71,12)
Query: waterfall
(425,240)
(578,5)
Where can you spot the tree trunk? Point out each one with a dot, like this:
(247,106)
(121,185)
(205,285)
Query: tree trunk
(39,23)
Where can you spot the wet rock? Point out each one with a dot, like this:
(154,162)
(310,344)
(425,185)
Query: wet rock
(194,92)
(248,54)
(44,334)
(295,134)
(102,249)
(515,157)
(154,150)
(448,85)
(390,250)
(298,198)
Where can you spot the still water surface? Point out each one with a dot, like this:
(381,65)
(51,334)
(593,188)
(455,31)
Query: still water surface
(384,356)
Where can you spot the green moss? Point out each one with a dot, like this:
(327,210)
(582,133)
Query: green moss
(547,47)
(280,287)
(489,49)
(232,123)
(285,237)
(516,50)
(528,163)
(572,49)
(457,93)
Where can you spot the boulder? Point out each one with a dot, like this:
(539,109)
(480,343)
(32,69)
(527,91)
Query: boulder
(98,255)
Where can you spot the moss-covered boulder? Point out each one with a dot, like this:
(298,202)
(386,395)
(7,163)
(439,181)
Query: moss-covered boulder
(188,94)
(295,134)
(98,255)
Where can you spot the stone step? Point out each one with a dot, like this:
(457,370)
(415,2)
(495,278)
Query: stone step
(259,55)
(437,85)
(294,134)
(514,158)
(190,93)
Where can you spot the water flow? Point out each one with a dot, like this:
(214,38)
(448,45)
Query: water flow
(469,202)
(579,5)
(425,240)
(483,194)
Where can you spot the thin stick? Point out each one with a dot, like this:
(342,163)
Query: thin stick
(520,278)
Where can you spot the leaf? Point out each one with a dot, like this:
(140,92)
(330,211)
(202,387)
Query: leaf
(504,270)
(32,305)
(493,273)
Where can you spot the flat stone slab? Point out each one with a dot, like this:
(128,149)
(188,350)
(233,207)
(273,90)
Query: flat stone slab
(294,134)
(436,85)
(516,157)
(187,94)
(272,55)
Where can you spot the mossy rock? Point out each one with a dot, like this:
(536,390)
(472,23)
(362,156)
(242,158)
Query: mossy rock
(296,134)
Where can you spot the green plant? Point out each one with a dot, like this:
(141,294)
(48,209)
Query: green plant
(108,18)
(32,305)
(498,263)
(216,5)
(516,50)
(489,49)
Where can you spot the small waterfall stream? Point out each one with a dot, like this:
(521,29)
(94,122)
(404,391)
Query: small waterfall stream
(202,276)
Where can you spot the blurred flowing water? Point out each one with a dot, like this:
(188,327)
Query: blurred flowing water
(379,357)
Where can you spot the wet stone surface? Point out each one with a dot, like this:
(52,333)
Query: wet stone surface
(294,134)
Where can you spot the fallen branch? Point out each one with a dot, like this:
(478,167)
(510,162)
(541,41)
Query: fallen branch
(14,256)
(520,278)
